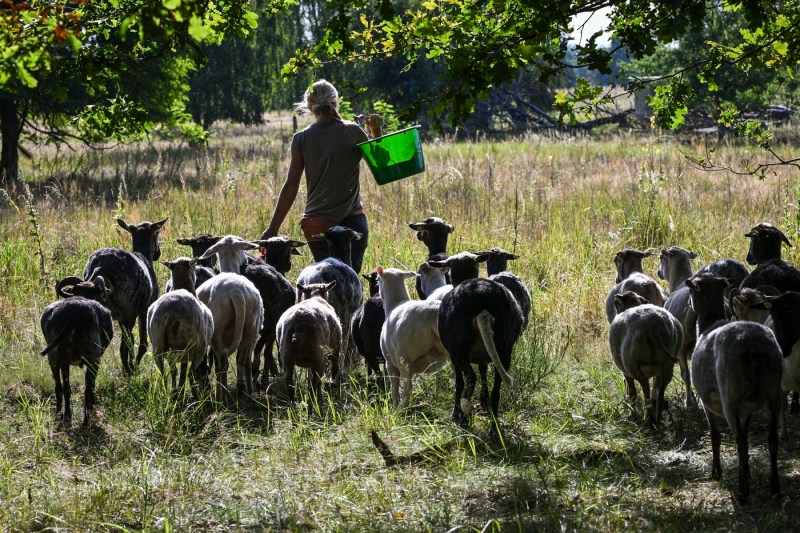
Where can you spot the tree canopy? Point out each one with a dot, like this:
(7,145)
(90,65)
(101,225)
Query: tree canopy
(104,69)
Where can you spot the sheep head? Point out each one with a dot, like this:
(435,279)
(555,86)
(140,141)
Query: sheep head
(765,243)
(745,304)
(96,289)
(434,233)
(145,237)
(312,290)
(340,242)
(463,266)
(672,258)
(183,273)
(498,260)
(629,261)
(278,251)
(199,244)
(628,300)
(230,250)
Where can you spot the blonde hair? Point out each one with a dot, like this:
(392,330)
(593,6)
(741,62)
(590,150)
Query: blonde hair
(321,99)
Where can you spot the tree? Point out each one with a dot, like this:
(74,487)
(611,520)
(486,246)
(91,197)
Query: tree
(105,69)
(485,43)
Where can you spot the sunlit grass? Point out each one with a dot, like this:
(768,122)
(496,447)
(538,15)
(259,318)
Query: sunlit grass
(571,455)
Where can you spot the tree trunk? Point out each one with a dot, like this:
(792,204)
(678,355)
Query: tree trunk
(9,131)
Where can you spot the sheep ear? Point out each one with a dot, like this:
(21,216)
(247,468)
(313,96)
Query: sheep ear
(330,286)
(768,290)
(302,288)
(169,264)
(692,255)
(124,225)
(211,250)
(784,239)
(246,245)
(450,229)
(379,271)
(160,223)
(511,256)
(481,257)
(192,262)
(692,285)
(417,226)
(184,241)
(437,264)
(295,251)
(357,236)
(297,244)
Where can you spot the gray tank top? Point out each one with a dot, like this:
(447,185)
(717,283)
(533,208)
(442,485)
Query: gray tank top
(331,160)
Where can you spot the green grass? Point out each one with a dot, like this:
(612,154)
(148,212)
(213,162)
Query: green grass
(571,458)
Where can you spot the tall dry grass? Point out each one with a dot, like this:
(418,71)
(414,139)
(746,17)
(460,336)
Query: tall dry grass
(571,456)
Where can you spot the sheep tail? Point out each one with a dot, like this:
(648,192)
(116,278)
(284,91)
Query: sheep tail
(484,322)
(55,343)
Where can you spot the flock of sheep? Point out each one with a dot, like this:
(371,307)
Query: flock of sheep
(737,327)
(224,300)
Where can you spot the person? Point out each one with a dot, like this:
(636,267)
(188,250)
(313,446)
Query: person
(326,151)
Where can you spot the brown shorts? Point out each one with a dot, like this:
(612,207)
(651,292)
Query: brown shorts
(313,225)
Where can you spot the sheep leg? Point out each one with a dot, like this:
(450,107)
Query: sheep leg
(784,408)
(649,404)
(289,369)
(59,388)
(222,378)
(317,375)
(394,383)
(458,414)
(177,391)
(494,409)
(659,388)
(406,392)
(255,365)
(484,398)
(67,392)
(742,449)
(716,439)
(142,338)
(630,393)
(126,348)
(691,401)
(89,400)
(772,445)
(244,370)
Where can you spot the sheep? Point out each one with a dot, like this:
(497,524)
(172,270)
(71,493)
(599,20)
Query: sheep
(765,254)
(204,268)
(366,325)
(77,331)
(434,233)
(181,327)
(743,305)
(238,316)
(479,322)
(497,270)
(675,266)
(783,310)
(631,277)
(732,270)
(466,266)
(309,334)
(129,285)
(433,280)
(276,292)
(347,295)
(409,337)
(644,341)
(278,251)
(736,369)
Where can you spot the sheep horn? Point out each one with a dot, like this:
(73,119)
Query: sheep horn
(70,281)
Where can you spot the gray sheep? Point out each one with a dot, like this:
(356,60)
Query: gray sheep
(631,277)
(736,369)
(309,334)
(644,341)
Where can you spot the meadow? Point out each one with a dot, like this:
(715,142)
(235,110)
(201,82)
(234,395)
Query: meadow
(571,456)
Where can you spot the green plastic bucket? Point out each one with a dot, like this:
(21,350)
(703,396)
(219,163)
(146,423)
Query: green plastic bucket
(394,156)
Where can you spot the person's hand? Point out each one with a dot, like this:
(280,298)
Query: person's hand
(269,232)
(374,124)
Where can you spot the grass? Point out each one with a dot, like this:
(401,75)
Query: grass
(571,457)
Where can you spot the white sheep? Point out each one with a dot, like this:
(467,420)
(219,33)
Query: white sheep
(238,314)
(181,327)
(409,338)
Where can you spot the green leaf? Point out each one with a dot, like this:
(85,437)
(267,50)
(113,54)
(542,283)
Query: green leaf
(197,29)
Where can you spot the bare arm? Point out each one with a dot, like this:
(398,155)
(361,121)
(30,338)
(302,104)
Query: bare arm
(288,193)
